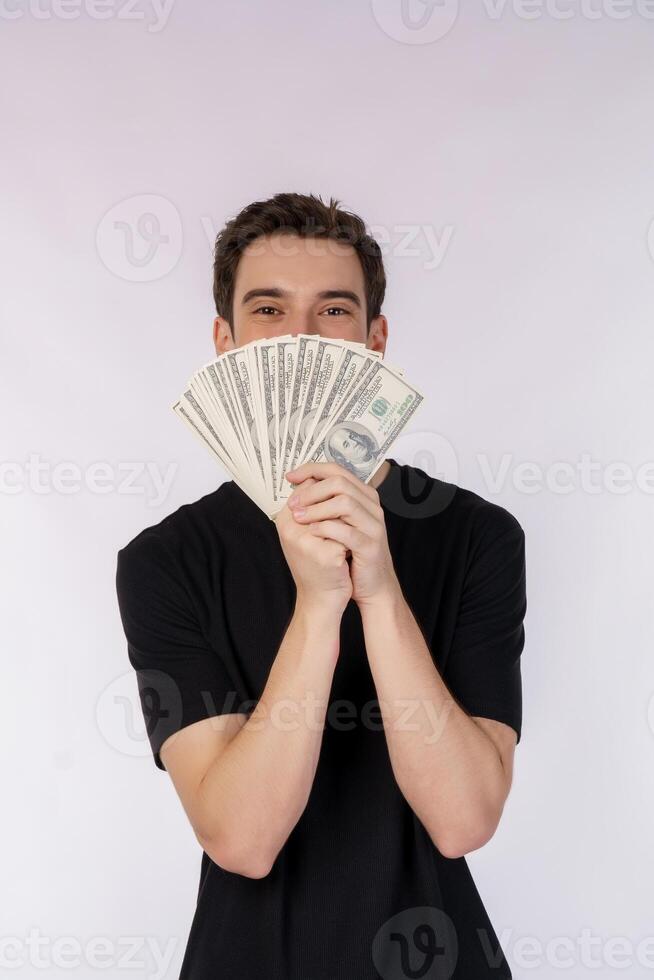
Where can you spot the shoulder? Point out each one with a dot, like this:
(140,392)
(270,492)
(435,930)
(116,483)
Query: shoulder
(486,518)
(191,528)
(426,496)
(465,524)
(495,537)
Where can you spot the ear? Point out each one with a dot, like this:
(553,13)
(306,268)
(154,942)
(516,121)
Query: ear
(222,335)
(378,334)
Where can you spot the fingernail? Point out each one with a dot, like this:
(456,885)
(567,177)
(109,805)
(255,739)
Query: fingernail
(299,511)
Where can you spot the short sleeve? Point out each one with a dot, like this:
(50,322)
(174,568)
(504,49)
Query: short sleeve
(181,679)
(483,669)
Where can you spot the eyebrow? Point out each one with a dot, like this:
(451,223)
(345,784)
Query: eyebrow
(277,293)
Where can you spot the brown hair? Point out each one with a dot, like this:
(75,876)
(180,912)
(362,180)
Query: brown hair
(304,215)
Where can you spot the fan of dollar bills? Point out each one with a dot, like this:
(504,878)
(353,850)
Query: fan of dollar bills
(265,408)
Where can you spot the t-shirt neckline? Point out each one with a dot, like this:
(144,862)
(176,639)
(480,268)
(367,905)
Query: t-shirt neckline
(389,480)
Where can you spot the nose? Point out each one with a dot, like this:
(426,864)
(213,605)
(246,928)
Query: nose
(304,323)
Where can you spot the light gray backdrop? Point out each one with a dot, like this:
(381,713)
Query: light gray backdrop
(502,153)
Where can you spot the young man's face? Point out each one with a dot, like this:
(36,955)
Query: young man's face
(286,284)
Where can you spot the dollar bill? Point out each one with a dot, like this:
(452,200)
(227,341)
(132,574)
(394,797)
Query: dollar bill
(274,403)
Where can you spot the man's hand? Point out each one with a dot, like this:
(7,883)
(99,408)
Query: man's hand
(338,507)
(319,566)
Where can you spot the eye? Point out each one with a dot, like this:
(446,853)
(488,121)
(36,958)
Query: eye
(266,308)
(340,308)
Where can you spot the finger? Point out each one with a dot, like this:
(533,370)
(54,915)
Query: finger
(323,470)
(337,530)
(304,486)
(308,481)
(345,507)
(284,513)
(331,487)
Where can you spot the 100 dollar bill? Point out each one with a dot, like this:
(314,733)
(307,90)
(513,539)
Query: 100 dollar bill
(366,423)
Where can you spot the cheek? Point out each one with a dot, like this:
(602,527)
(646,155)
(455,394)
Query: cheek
(345,329)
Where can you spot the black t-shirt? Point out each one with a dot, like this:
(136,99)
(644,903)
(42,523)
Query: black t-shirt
(359,891)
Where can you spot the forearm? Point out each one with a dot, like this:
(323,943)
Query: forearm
(258,787)
(447,768)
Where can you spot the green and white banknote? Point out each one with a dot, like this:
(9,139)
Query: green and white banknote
(265,408)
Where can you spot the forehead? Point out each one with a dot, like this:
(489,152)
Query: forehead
(301,265)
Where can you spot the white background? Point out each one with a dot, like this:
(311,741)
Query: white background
(522,139)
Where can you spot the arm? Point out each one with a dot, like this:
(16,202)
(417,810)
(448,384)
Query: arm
(245,783)
(455,770)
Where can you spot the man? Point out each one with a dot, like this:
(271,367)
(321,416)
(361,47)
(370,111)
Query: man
(336,695)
